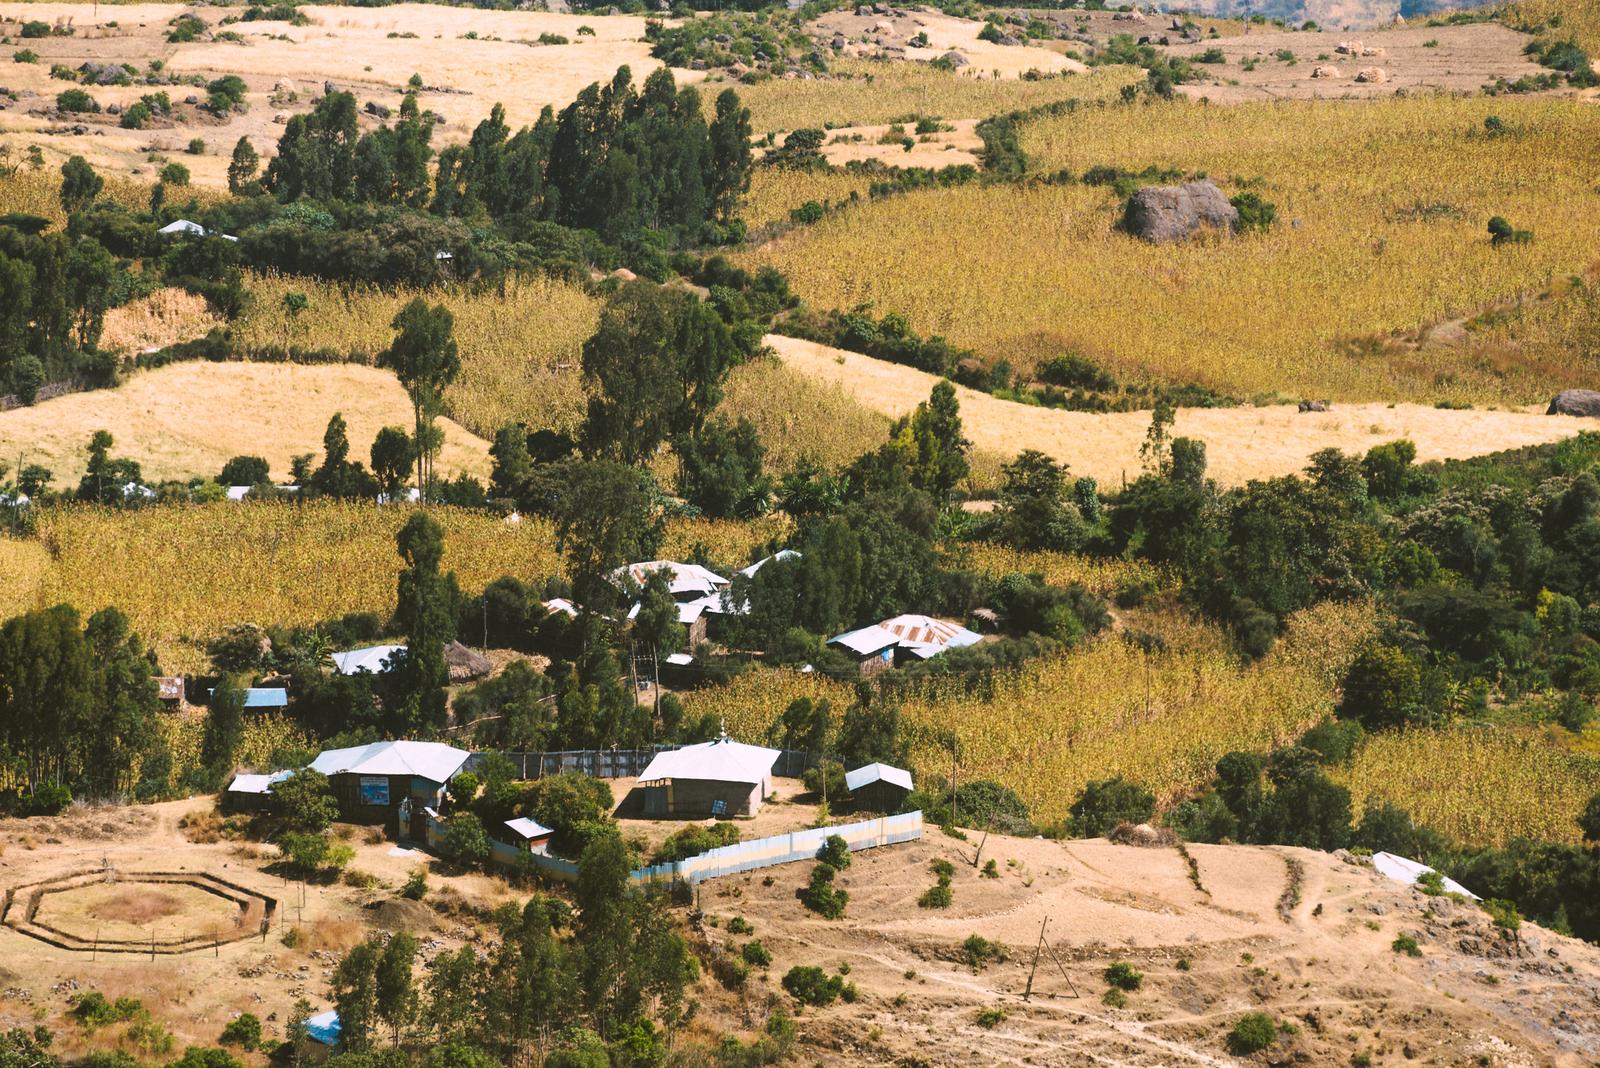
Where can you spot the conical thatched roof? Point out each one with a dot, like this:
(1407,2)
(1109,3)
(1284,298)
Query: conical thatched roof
(465,665)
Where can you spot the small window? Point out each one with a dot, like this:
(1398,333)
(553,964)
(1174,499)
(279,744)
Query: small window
(719,807)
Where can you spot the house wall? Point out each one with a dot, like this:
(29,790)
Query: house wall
(697,633)
(876,663)
(879,796)
(356,806)
(693,797)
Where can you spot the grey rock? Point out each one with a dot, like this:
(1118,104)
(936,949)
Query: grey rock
(956,59)
(1314,406)
(1576,402)
(1163,214)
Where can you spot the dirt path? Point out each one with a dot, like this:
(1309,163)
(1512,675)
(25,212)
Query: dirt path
(1242,443)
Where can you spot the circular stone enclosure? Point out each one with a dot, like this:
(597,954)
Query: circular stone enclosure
(113,911)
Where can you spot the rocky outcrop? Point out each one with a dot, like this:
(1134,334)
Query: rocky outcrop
(1584,402)
(1166,213)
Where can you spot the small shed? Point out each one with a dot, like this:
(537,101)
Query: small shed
(374,659)
(251,793)
(530,835)
(170,691)
(872,648)
(324,1027)
(697,591)
(266,697)
(878,787)
(372,783)
(723,778)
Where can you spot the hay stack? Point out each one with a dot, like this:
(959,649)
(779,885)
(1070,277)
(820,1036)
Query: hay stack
(1326,72)
(465,665)
(1372,75)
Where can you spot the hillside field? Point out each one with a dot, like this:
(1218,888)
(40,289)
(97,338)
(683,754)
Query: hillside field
(1380,233)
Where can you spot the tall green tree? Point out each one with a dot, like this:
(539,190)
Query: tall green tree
(606,515)
(224,728)
(393,454)
(243,168)
(80,185)
(424,357)
(730,155)
(423,614)
(933,438)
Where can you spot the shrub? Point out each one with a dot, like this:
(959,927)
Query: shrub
(1502,232)
(739,925)
(810,985)
(1253,1032)
(1123,976)
(990,869)
(810,212)
(25,55)
(1211,55)
(981,951)
(1407,945)
(991,1017)
(756,954)
(416,885)
(694,840)
(835,851)
(1114,998)
(937,896)
(135,116)
(1254,213)
(197,146)
(76,101)
(175,174)
(34,28)
(821,896)
(1108,802)
(243,1031)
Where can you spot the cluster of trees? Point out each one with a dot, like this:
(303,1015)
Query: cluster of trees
(78,709)
(618,161)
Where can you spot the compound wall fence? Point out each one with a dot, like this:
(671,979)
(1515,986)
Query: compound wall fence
(725,860)
(622,763)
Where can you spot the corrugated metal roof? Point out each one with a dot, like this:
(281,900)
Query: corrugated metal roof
(871,773)
(371,659)
(266,697)
(433,761)
(681,578)
(781,554)
(723,760)
(256,784)
(928,630)
(169,687)
(523,827)
(1402,870)
(866,641)
(562,605)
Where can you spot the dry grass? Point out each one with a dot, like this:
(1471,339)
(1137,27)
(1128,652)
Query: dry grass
(863,92)
(1480,786)
(798,415)
(23,567)
(124,911)
(1243,443)
(1579,19)
(1101,575)
(164,318)
(188,419)
(1306,310)
(519,348)
(38,191)
(1103,710)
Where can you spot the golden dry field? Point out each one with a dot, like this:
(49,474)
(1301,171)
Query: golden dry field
(184,573)
(1382,208)
(1106,709)
(1578,19)
(863,92)
(371,52)
(1243,443)
(797,415)
(520,346)
(189,419)
(1098,574)
(1480,786)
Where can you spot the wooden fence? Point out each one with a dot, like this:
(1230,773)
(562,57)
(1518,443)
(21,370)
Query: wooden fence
(622,763)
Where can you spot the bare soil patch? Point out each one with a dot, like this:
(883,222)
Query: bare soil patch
(899,35)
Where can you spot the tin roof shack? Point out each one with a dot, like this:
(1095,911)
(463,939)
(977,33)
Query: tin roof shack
(723,778)
(170,691)
(872,648)
(925,637)
(696,590)
(373,782)
(878,788)
(266,697)
(251,793)
(374,659)
(530,835)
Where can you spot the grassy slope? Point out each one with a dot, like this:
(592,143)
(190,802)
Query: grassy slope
(1308,309)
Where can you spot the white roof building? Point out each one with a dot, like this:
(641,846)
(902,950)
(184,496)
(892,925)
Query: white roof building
(562,605)
(374,659)
(686,581)
(1402,870)
(925,636)
(528,830)
(433,761)
(866,641)
(781,554)
(257,784)
(184,226)
(871,773)
(723,760)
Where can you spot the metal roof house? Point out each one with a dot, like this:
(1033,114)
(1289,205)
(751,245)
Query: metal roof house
(390,782)
(373,659)
(872,647)
(266,697)
(878,787)
(530,835)
(720,778)
(697,591)
(925,636)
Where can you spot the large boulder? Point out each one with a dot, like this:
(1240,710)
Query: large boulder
(1576,402)
(1166,213)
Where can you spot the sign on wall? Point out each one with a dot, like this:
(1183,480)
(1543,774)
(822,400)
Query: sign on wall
(375,790)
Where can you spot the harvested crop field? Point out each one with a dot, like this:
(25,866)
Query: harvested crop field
(468,58)
(189,419)
(1384,203)
(1242,443)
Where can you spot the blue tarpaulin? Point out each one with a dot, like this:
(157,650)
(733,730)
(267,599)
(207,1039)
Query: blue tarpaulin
(324,1027)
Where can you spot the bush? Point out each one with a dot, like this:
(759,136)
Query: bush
(990,1017)
(25,55)
(739,925)
(1502,232)
(937,896)
(34,28)
(1254,213)
(1407,945)
(1123,976)
(810,985)
(76,100)
(694,840)
(243,1031)
(835,852)
(821,896)
(1108,802)
(416,885)
(175,174)
(1253,1032)
(754,953)
(197,146)
(981,951)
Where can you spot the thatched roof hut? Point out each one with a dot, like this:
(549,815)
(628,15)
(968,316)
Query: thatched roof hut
(465,665)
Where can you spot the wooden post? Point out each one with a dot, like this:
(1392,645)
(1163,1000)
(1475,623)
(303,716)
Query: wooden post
(1027,995)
